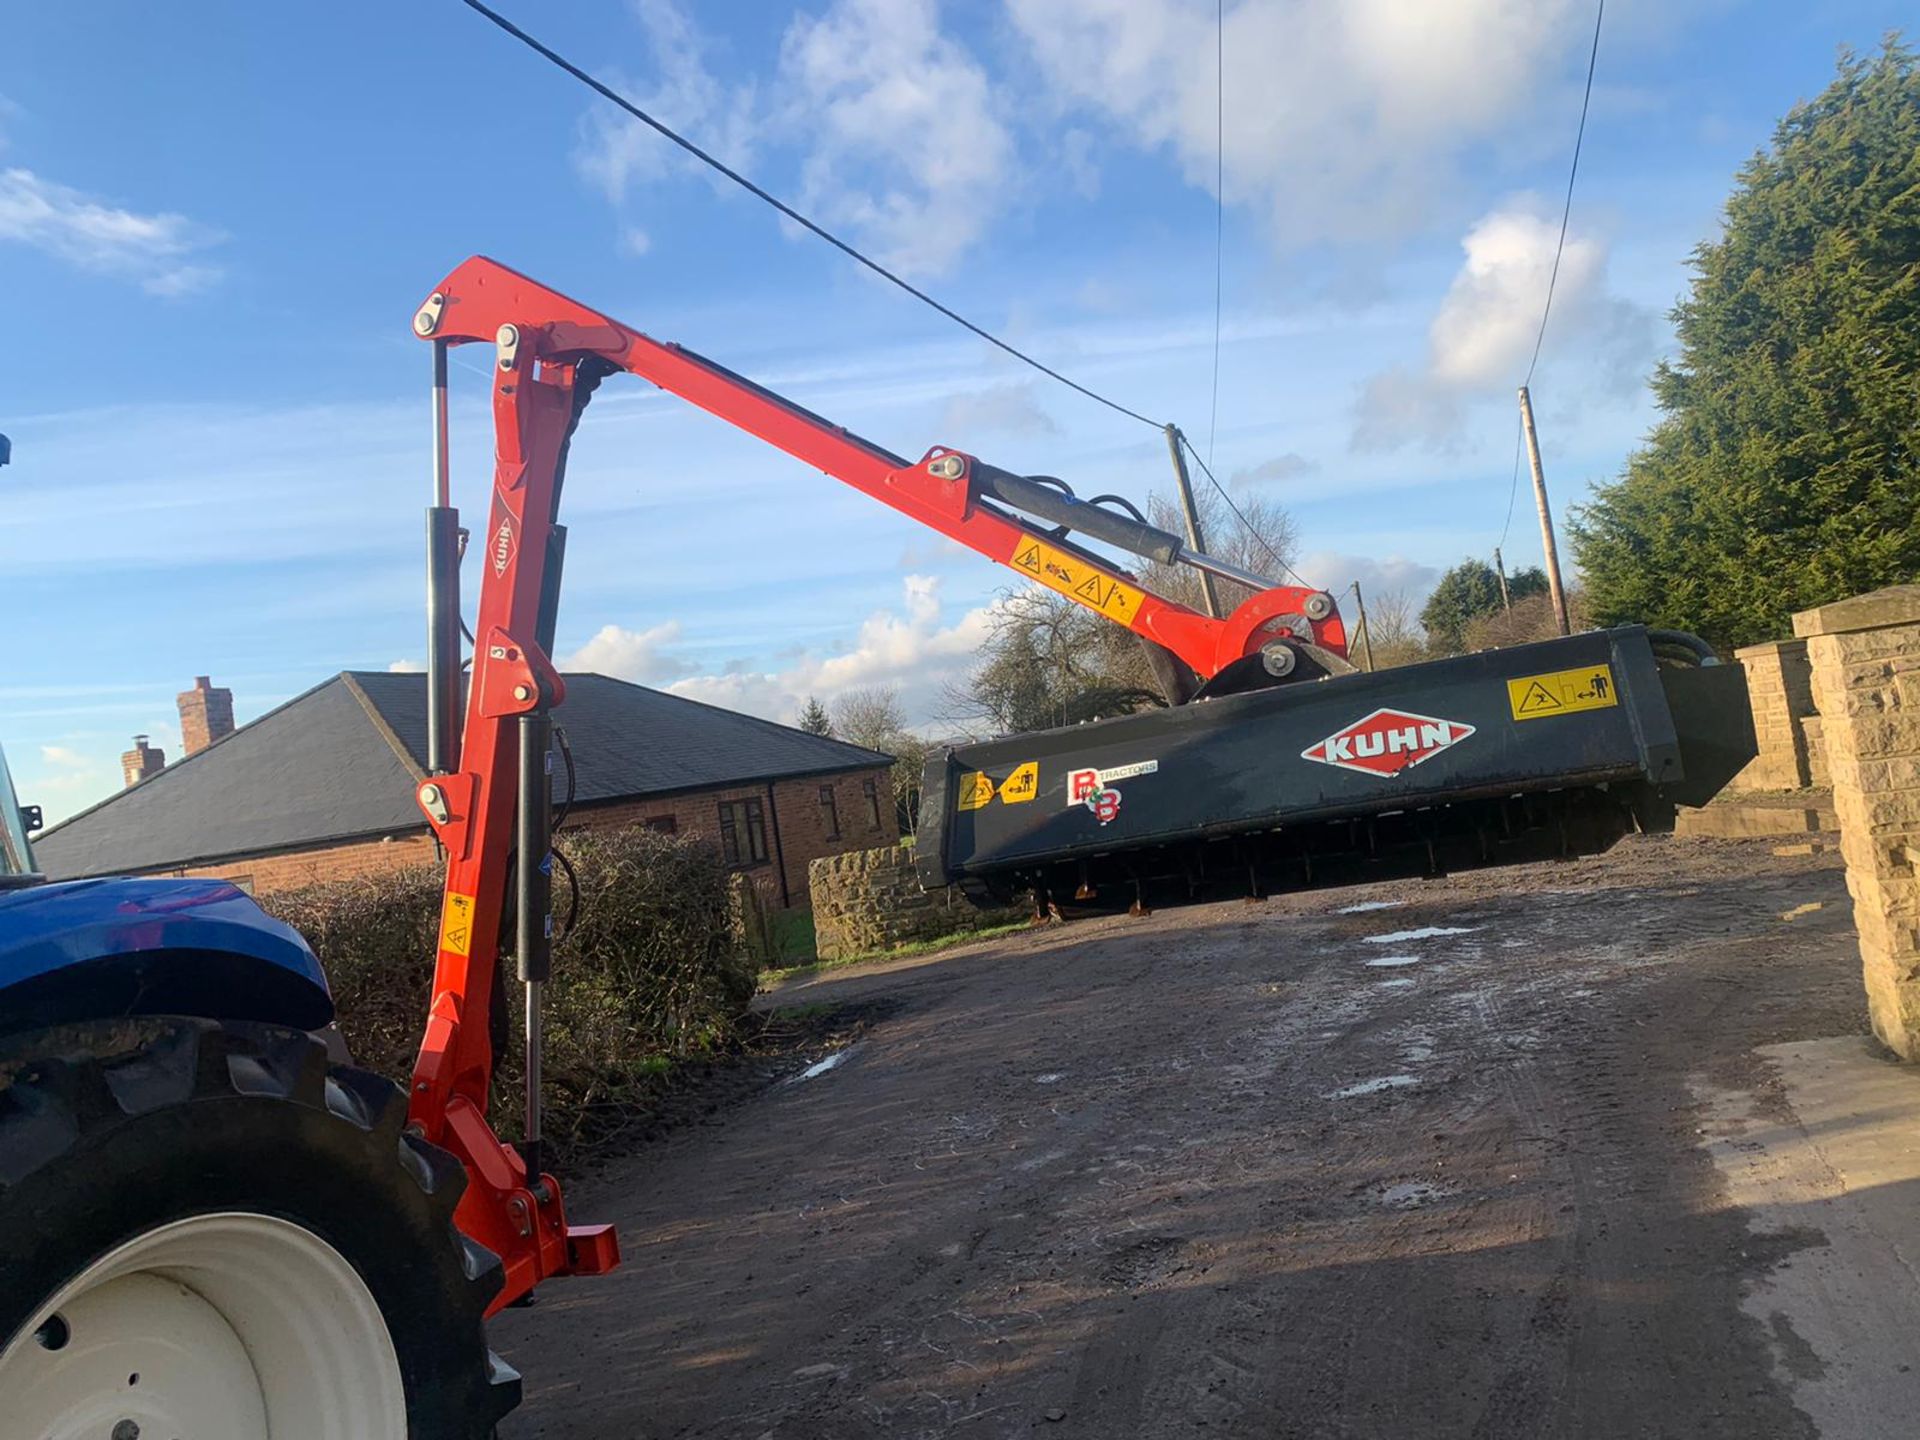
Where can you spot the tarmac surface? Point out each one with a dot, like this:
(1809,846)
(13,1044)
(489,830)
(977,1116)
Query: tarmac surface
(1518,1153)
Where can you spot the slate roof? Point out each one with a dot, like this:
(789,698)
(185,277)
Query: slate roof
(340,763)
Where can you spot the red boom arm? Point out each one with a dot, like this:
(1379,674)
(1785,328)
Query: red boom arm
(549,351)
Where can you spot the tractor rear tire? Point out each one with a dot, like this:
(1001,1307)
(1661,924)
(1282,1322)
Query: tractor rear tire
(206,1230)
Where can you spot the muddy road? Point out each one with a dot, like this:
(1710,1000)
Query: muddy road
(1413,1159)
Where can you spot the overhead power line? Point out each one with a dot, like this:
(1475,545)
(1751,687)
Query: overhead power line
(1553,276)
(1240,515)
(608,93)
(1573,170)
(1513,490)
(1219,201)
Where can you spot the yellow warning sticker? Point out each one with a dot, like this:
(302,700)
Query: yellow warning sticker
(1075,578)
(456,924)
(976,791)
(1022,785)
(1564,692)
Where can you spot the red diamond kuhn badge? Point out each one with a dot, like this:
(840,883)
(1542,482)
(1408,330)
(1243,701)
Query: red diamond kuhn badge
(1387,742)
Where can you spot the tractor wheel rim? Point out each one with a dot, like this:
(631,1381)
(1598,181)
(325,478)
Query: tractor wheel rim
(216,1327)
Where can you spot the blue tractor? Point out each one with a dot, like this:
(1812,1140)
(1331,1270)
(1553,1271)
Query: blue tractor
(211,1226)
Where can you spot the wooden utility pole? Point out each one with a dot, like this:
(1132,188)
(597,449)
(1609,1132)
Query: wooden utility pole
(1500,569)
(1185,482)
(1366,630)
(1546,515)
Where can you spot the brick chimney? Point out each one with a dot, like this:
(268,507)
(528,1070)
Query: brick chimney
(141,761)
(206,714)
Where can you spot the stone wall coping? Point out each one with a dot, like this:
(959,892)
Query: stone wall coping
(1895,605)
(1770,647)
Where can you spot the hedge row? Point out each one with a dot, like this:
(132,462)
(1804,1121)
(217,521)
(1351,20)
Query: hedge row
(656,966)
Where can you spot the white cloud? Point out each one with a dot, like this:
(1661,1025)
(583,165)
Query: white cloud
(638,655)
(1290,466)
(152,249)
(895,125)
(635,241)
(59,793)
(407,667)
(69,779)
(182,502)
(909,648)
(1481,338)
(1377,576)
(1486,325)
(905,141)
(182,280)
(1009,409)
(619,152)
(1342,121)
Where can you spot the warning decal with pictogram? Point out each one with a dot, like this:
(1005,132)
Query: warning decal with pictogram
(1075,578)
(976,791)
(456,925)
(1022,785)
(1562,692)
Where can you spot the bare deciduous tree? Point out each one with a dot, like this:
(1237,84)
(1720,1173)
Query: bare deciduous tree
(1266,548)
(1530,619)
(869,716)
(872,718)
(1395,630)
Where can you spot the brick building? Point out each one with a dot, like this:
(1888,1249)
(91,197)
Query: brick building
(323,787)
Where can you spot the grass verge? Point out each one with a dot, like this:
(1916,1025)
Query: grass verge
(771,978)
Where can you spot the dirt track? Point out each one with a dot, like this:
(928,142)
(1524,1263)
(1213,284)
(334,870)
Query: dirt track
(1213,1172)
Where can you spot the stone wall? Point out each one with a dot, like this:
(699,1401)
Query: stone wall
(868,900)
(1865,654)
(815,816)
(1818,775)
(1780,687)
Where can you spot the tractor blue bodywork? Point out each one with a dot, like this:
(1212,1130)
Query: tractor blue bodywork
(100,949)
(94,949)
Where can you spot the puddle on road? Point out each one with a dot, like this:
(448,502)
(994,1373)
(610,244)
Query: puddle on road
(1381,961)
(1375,1086)
(1425,932)
(1365,905)
(821,1067)
(1411,1194)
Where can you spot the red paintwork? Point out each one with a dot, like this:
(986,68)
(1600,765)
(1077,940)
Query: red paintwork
(532,407)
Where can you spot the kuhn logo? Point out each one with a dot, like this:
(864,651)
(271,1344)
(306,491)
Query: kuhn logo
(503,545)
(1387,742)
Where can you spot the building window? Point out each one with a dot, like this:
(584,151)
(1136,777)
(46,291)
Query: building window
(829,813)
(871,789)
(743,832)
(665,824)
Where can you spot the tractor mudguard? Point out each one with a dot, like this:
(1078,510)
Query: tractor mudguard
(93,949)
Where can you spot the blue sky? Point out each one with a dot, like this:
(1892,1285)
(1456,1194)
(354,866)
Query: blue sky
(217,220)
